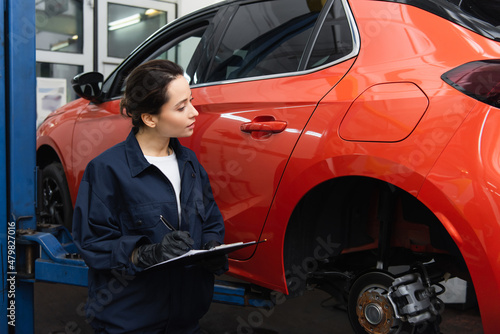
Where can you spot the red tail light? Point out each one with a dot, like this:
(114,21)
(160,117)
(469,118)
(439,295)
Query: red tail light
(478,79)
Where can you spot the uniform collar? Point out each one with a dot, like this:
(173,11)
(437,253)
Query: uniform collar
(136,160)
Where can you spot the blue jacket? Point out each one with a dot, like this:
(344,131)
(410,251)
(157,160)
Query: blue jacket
(118,208)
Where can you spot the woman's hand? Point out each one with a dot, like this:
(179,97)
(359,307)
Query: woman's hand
(173,244)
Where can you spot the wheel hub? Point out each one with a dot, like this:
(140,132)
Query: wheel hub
(375,312)
(51,202)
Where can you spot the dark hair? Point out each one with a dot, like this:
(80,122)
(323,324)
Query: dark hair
(146,89)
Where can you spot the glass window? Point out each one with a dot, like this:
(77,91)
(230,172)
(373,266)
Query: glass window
(68,72)
(54,87)
(180,50)
(129,26)
(265,38)
(59,25)
(334,40)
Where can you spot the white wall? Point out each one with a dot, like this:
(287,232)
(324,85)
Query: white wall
(188,6)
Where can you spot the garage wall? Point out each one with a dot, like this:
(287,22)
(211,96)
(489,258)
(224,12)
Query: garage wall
(188,6)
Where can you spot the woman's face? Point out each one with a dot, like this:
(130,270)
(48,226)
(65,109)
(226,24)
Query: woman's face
(177,116)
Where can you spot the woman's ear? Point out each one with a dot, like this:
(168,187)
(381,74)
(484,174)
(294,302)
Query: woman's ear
(148,120)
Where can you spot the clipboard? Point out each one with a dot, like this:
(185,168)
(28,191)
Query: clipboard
(196,255)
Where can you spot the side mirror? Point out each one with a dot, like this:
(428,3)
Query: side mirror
(88,86)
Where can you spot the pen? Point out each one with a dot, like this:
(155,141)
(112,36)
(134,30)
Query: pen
(167,224)
(171,228)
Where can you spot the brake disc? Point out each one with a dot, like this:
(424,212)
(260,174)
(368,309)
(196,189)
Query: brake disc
(379,303)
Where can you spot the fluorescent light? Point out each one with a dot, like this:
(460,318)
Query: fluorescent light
(59,46)
(125,22)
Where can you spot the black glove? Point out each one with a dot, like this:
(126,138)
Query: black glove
(173,244)
(216,264)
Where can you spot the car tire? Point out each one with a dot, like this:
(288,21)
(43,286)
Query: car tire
(57,208)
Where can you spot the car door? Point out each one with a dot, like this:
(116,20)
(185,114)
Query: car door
(275,61)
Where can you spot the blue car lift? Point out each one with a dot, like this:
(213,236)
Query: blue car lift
(31,252)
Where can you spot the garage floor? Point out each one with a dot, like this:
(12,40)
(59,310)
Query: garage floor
(58,309)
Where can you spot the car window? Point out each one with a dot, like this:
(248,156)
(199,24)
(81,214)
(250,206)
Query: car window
(334,40)
(179,51)
(265,38)
(182,43)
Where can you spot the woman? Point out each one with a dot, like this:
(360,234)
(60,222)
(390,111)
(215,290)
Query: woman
(144,201)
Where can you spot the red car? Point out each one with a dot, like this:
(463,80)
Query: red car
(359,137)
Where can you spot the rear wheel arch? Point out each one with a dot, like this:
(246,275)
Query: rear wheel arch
(345,214)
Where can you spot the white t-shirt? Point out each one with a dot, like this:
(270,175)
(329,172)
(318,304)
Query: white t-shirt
(168,165)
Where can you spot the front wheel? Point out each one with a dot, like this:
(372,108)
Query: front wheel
(57,208)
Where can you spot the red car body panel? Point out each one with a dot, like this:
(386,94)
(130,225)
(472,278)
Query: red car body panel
(245,171)
(462,190)
(443,147)
(97,128)
(78,134)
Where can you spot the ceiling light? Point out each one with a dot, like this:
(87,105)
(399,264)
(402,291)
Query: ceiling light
(59,46)
(152,12)
(125,22)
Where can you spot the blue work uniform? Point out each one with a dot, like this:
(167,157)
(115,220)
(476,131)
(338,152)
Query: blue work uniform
(118,208)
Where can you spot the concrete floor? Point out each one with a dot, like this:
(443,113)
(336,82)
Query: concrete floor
(59,309)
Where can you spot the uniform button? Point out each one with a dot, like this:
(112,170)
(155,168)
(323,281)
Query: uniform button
(139,222)
(193,175)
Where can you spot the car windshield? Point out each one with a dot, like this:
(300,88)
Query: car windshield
(480,16)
